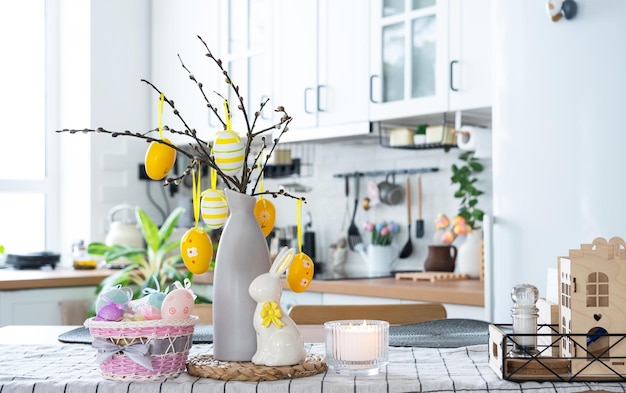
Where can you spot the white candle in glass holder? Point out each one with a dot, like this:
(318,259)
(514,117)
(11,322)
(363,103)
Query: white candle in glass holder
(357,347)
(358,342)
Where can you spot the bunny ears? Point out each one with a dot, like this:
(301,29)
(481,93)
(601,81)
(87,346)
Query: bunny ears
(282,261)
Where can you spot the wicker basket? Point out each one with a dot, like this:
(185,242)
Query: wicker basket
(162,346)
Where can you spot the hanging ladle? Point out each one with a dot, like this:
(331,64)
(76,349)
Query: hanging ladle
(408,247)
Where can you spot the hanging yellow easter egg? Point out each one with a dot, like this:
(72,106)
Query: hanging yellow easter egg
(213,208)
(196,249)
(265,214)
(159,159)
(228,151)
(300,273)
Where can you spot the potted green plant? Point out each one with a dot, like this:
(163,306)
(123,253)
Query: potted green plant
(469,256)
(419,137)
(464,177)
(155,266)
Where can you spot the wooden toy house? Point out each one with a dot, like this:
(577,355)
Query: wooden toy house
(593,307)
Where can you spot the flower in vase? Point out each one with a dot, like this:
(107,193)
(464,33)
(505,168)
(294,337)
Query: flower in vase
(447,231)
(382,233)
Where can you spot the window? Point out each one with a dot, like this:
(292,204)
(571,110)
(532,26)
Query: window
(597,290)
(26,191)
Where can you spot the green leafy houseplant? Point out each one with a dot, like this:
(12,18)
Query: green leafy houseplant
(464,176)
(151,265)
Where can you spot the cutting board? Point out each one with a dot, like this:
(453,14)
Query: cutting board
(431,276)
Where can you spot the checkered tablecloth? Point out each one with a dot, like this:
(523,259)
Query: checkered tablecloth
(71,368)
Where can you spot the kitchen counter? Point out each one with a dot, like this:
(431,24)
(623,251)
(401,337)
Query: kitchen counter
(461,292)
(11,279)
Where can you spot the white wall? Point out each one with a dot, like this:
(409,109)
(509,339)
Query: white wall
(105,53)
(558,143)
(327,201)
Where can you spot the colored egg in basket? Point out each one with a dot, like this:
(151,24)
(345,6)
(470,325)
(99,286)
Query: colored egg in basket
(228,151)
(213,208)
(178,304)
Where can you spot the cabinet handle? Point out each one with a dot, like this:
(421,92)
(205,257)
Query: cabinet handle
(306,101)
(372,100)
(452,63)
(319,94)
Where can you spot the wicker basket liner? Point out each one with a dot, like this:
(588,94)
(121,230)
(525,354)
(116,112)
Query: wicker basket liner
(169,342)
(208,367)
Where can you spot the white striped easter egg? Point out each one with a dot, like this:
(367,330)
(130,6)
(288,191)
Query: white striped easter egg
(228,151)
(213,208)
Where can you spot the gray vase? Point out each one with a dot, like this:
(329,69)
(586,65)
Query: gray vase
(242,255)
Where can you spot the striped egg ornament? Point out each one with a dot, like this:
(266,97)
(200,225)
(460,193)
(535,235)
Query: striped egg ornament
(228,152)
(213,208)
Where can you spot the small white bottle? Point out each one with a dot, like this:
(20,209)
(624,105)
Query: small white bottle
(524,313)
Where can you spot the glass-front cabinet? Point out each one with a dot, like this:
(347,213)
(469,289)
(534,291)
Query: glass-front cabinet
(427,53)
(409,52)
(246,50)
(174,31)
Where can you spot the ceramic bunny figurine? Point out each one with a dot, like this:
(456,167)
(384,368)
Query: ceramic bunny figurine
(279,341)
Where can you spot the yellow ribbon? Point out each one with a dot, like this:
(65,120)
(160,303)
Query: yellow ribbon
(271,314)
(160,114)
(196,194)
(299,223)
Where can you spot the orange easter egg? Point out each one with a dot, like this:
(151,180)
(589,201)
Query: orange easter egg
(196,249)
(300,272)
(159,159)
(265,214)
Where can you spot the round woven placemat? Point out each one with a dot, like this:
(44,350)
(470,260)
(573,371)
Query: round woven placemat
(208,367)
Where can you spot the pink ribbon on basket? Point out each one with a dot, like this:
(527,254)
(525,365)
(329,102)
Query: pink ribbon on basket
(137,352)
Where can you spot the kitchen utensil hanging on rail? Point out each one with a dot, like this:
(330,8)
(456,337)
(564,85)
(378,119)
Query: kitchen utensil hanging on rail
(419,223)
(408,247)
(354,236)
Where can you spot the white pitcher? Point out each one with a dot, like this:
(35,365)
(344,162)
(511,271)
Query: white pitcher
(379,259)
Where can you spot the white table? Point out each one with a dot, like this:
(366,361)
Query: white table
(42,366)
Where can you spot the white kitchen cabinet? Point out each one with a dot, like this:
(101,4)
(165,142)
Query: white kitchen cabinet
(428,57)
(175,27)
(246,49)
(470,55)
(39,306)
(321,77)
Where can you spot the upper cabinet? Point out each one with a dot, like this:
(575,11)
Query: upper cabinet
(321,76)
(470,55)
(175,27)
(428,56)
(246,52)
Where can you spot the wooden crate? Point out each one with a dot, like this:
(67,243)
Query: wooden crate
(543,366)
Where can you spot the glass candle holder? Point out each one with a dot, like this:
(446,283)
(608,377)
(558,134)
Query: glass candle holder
(357,347)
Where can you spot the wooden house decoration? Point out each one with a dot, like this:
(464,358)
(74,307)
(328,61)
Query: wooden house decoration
(593,307)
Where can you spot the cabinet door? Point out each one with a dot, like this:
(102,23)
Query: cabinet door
(342,62)
(175,27)
(409,58)
(470,54)
(247,42)
(295,54)
(321,55)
